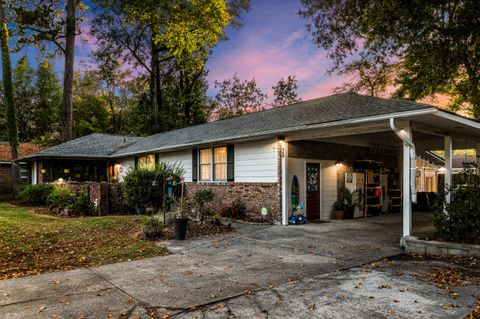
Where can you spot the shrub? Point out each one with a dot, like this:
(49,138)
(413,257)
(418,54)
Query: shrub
(34,194)
(81,205)
(145,188)
(199,200)
(236,211)
(61,197)
(153,227)
(117,202)
(459,221)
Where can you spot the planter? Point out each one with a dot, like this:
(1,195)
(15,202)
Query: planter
(349,214)
(180,225)
(339,214)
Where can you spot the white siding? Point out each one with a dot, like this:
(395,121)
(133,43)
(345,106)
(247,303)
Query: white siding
(328,187)
(182,158)
(125,165)
(256,162)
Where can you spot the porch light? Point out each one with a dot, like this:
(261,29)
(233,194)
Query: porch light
(338,164)
(66,170)
(441,170)
(43,171)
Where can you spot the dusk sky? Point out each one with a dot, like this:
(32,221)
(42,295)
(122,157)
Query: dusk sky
(272,44)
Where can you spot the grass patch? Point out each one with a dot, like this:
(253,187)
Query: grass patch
(32,243)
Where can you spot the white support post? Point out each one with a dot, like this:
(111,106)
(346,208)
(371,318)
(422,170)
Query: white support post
(34,173)
(284,161)
(407,203)
(448,165)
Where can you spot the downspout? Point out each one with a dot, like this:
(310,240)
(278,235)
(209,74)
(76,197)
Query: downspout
(413,158)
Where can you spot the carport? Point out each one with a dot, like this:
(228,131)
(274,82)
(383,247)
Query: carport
(395,139)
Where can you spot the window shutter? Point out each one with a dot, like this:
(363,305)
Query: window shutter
(194,165)
(230,163)
(136,161)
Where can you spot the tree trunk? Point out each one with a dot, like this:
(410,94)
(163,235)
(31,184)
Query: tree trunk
(8,86)
(67,116)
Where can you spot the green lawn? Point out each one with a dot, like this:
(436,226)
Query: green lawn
(32,243)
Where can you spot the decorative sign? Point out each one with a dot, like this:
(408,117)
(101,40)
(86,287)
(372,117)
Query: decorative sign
(264,211)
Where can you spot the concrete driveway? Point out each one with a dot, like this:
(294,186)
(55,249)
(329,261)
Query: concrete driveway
(210,271)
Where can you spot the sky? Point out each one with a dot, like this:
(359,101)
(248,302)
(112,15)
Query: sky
(272,44)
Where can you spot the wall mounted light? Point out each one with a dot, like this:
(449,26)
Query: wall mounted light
(338,164)
(43,171)
(66,170)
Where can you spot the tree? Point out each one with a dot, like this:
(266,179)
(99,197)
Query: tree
(89,107)
(435,44)
(48,103)
(44,22)
(149,36)
(12,127)
(236,97)
(285,92)
(24,95)
(369,77)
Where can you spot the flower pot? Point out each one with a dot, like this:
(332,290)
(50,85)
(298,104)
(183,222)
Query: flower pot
(180,225)
(349,214)
(339,214)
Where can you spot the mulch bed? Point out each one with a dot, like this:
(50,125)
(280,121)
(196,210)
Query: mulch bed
(197,230)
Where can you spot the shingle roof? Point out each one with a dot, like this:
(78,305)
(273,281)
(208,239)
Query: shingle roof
(322,110)
(94,145)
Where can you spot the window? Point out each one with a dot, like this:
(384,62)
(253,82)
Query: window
(147,162)
(205,157)
(220,163)
(23,170)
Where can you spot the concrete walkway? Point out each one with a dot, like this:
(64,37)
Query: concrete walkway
(206,271)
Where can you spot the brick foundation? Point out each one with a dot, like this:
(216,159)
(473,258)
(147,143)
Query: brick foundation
(6,178)
(253,195)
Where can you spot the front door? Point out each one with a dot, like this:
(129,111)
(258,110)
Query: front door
(313,191)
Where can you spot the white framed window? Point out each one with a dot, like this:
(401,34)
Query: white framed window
(23,170)
(205,161)
(220,163)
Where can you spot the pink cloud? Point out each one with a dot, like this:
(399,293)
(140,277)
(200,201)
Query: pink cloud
(266,61)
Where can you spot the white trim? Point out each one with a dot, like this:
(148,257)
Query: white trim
(458,119)
(284,163)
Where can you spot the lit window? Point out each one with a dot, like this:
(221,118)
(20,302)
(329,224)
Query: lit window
(151,161)
(142,162)
(220,163)
(205,164)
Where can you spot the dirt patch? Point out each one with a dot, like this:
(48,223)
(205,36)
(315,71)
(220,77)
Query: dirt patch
(196,230)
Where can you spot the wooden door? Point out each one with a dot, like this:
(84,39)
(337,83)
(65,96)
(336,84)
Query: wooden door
(313,191)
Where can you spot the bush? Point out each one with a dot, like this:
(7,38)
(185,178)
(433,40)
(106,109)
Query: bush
(117,202)
(145,188)
(34,194)
(200,199)
(236,211)
(81,205)
(61,197)
(459,221)
(153,228)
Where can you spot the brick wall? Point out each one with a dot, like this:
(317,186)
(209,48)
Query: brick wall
(97,192)
(253,195)
(6,185)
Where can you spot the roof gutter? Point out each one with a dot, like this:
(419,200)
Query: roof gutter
(408,142)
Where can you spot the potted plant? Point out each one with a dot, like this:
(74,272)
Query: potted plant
(338,208)
(345,205)
(180,219)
